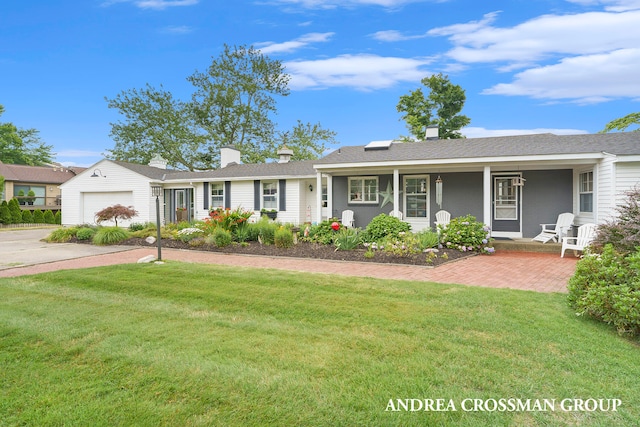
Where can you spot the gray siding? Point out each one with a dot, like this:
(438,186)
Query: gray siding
(546,194)
(461,194)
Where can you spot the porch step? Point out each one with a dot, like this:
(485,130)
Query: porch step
(526,245)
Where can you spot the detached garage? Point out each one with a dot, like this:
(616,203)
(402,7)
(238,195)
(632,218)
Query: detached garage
(109,183)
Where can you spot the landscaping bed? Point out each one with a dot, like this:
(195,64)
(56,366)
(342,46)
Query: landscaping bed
(313,250)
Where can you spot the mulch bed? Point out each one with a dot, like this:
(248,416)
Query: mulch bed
(311,250)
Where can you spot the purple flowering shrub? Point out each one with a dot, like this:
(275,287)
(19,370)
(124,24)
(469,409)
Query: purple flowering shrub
(467,235)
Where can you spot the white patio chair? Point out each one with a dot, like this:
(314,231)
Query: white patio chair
(586,234)
(397,214)
(442,218)
(555,231)
(347,218)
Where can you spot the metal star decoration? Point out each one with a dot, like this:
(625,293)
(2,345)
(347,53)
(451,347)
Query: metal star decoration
(387,195)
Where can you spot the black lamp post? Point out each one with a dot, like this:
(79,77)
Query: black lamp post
(156,190)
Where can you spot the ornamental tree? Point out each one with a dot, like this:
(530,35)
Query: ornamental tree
(115,213)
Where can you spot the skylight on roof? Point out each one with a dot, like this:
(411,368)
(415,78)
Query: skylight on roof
(378,145)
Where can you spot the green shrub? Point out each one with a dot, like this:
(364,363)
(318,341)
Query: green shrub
(27,217)
(466,234)
(61,235)
(58,217)
(243,232)
(48,217)
(267,230)
(283,237)
(137,226)
(347,239)
(222,237)
(5,213)
(606,287)
(323,232)
(623,231)
(16,212)
(110,236)
(188,234)
(383,226)
(38,217)
(85,233)
(427,239)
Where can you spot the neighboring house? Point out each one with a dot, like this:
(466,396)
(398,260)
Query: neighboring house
(286,187)
(511,183)
(43,181)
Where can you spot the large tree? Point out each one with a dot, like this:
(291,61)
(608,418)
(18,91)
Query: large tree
(440,107)
(22,146)
(622,123)
(232,104)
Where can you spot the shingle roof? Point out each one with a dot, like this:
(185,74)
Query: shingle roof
(38,174)
(290,169)
(627,143)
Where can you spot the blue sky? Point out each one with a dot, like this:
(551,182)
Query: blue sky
(527,66)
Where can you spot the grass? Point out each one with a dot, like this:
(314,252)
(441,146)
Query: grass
(189,345)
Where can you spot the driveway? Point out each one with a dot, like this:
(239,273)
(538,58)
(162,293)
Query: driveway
(25,247)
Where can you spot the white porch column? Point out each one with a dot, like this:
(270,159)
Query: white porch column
(329,195)
(318,216)
(486,196)
(396,191)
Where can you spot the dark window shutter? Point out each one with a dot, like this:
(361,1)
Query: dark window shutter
(256,195)
(227,194)
(282,194)
(206,195)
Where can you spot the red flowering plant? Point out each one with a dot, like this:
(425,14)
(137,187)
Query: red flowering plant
(225,219)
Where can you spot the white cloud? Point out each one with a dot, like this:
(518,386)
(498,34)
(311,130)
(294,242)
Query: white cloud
(362,72)
(478,132)
(394,36)
(585,58)
(286,47)
(178,29)
(154,4)
(611,5)
(543,37)
(332,4)
(587,78)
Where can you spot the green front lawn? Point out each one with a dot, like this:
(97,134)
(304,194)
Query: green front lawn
(183,344)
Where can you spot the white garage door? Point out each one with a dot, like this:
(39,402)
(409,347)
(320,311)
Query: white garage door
(95,202)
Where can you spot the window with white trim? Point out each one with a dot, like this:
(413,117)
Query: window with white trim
(585,190)
(217,195)
(270,195)
(416,196)
(363,189)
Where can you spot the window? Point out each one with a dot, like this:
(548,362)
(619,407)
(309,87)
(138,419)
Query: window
(585,189)
(21,192)
(217,195)
(324,196)
(416,190)
(270,195)
(363,189)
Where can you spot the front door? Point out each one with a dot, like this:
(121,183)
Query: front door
(507,206)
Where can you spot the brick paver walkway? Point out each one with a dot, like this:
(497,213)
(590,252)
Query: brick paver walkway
(516,270)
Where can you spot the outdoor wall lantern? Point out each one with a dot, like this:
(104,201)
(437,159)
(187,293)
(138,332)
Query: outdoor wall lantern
(310,187)
(97,173)
(156,190)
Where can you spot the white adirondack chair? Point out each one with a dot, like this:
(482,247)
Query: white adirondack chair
(347,218)
(397,214)
(442,218)
(555,231)
(586,234)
